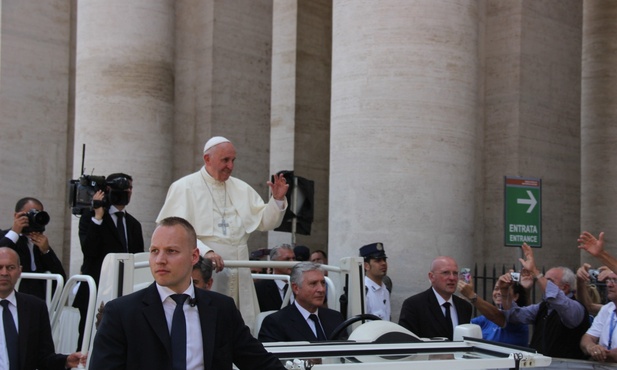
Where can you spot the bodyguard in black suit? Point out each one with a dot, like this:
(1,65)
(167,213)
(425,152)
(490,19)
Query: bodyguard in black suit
(270,292)
(136,330)
(268,295)
(29,343)
(100,234)
(423,313)
(294,322)
(32,246)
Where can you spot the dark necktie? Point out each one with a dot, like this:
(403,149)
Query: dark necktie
(121,231)
(10,334)
(448,319)
(318,329)
(178,333)
(285,287)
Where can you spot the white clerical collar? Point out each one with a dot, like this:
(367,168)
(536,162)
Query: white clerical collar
(165,292)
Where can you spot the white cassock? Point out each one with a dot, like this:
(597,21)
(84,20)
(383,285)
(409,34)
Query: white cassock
(224,214)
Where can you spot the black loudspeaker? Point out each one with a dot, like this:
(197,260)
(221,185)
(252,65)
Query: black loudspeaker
(303,194)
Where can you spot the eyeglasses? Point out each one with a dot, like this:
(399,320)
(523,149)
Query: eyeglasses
(447,274)
(610,280)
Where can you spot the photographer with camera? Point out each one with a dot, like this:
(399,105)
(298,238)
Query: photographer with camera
(586,280)
(493,322)
(27,238)
(560,320)
(106,228)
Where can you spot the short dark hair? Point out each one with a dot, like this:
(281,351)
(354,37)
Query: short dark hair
(204,265)
(119,175)
(322,252)
(23,201)
(173,221)
(522,295)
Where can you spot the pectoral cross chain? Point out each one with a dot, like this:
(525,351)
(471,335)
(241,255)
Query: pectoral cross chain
(223,225)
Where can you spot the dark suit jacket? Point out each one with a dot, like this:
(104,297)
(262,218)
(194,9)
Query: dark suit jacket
(288,324)
(36,346)
(268,295)
(422,315)
(133,334)
(99,240)
(44,262)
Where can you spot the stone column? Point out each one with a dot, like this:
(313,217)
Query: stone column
(405,133)
(598,117)
(124,99)
(532,107)
(300,116)
(34,101)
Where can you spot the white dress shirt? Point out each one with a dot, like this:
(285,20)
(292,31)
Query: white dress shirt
(194,339)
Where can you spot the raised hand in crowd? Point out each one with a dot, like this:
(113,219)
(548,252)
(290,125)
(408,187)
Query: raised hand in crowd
(595,247)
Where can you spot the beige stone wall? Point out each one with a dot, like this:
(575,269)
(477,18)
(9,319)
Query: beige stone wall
(532,106)
(405,116)
(34,101)
(124,100)
(598,117)
(301,64)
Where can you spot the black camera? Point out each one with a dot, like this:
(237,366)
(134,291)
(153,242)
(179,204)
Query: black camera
(37,220)
(81,192)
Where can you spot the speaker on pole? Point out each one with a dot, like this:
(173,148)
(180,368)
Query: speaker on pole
(300,197)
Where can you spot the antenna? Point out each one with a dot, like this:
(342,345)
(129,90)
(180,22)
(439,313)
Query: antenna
(83,158)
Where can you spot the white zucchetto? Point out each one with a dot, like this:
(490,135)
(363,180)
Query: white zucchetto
(216,140)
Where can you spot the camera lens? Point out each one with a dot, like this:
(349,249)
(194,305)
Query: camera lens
(41,218)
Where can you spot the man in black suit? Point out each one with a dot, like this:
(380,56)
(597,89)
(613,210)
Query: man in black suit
(436,311)
(32,246)
(305,319)
(100,233)
(270,293)
(25,324)
(207,329)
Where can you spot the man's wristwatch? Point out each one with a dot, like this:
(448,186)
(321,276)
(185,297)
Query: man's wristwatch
(474,299)
(539,276)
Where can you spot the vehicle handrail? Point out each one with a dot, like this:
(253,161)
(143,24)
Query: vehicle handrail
(68,288)
(50,299)
(279,264)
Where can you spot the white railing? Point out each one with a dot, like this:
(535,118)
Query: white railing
(52,296)
(64,298)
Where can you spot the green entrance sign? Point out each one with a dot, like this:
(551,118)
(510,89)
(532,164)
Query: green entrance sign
(523,212)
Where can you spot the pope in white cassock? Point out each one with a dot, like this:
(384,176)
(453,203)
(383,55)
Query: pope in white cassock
(224,212)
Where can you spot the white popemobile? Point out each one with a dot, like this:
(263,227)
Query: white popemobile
(371,344)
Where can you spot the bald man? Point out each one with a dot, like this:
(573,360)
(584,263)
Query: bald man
(25,324)
(437,311)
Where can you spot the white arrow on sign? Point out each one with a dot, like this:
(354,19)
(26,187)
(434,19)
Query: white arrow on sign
(531,201)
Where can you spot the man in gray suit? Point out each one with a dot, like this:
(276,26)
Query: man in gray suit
(305,319)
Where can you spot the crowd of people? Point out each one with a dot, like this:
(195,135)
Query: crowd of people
(194,313)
